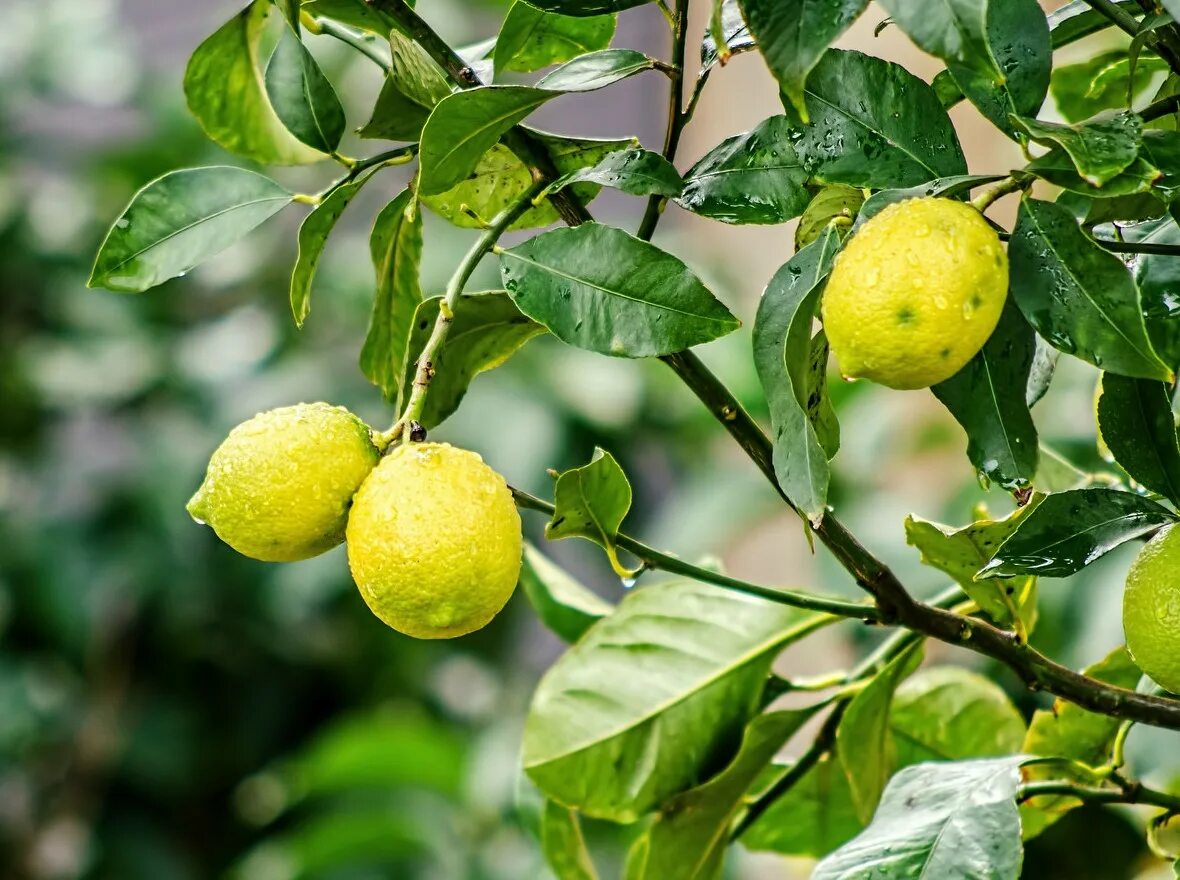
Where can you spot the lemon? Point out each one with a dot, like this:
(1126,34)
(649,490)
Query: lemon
(915,294)
(1151,609)
(279,487)
(434,541)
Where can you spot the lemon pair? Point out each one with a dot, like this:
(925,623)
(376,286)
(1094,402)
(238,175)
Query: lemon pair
(434,540)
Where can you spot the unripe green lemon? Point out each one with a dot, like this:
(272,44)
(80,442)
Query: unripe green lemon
(434,541)
(1151,609)
(915,294)
(279,487)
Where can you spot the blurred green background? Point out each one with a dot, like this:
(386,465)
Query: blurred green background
(170,710)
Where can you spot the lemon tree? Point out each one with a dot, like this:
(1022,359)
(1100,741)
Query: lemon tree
(660,714)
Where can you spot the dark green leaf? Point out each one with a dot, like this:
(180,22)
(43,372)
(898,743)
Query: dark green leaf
(591,501)
(874,124)
(756,177)
(1158,277)
(830,203)
(486,330)
(224,88)
(637,712)
(793,34)
(413,86)
(1069,530)
(820,411)
(586,7)
(987,397)
(1136,421)
(566,607)
(531,39)
(735,36)
(180,219)
(636,172)
(1079,297)
(948,187)
(396,250)
(1079,19)
(813,818)
(301,95)
(1100,148)
(953,821)
(313,235)
(563,845)
(601,289)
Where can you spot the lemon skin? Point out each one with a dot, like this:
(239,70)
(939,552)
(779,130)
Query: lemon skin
(279,487)
(1151,609)
(915,294)
(434,541)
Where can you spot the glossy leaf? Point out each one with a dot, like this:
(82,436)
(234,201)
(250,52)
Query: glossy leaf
(953,821)
(1058,169)
(813,818)
(836,202)
(756,177)
(736,36)
(1069,530)
(224,88)
(566,607)
(1100,149)
(955,186)
(531,39)
(636,172)
(987,397)
(651,701)
(586,7)
(313,236)
(1158,277)
(591,502)
(603,290)
(563,845)
(412,87)
(395,247)
(793,34)
(180,219)
(1079,297)
(301,95)
(1136,421)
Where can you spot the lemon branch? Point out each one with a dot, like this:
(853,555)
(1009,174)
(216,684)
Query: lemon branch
(1127,793)
(677,116)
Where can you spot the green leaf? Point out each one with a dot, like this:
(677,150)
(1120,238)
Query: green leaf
(830,203)
(603,290)
(987,397)
(953,821)
(563,845)
(465,125)
(586,7)
(874,124)
(413,86)
(1058,169)
(1069,530)
(735,35)
(948,187)
(793,35)
(531,39)
(756,177)
(782,356)
(566,607)
(224,88)
(1079,297)
(395,247)
(313,236)
(591,501)
(500,179)
(1136,421)
(689,836)
(651,701)
(1158,277)
(820,411)
(1079,19)
(180,219)
(301,95)
(636,172)
(354,13)
(486,330)
(1103,82)
(811,819)
(863,739)
(1100,148)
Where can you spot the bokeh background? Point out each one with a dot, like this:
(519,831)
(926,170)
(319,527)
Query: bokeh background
(170,710)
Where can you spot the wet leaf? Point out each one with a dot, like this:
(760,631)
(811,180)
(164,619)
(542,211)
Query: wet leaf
(736,36)
(566,607)
(531,39)
(586,7)
(1136,421)
(636,172)
(1100,148)
(1158,277)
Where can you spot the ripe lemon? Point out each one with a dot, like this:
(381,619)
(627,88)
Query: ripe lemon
(279,487)
(434,541)
(1151,609)
(915,293)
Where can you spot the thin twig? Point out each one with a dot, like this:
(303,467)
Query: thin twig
(677,118)
(1132,793)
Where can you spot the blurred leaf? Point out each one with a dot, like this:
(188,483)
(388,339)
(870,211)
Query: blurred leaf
(1056,473)
(1136,421)
(1040,374)
(794,34)
(954,821)
(563,845)
(1158,277)
(1079,297)
(863,739)
(531,39)
(586,7)
(811,819)
(1079,19)
(224,88)
(354,13)
(1100,148)
(874,124)
(313,236)
(636,172)
(395,247)
(603,290)
(1103,82)
(413,86)
(565,606)
(591,501)
(830,203)
(735,35)
(301,95)
(180,219)
(650,702)
(988,398)
(486,330)
(1069,530)
(756,177)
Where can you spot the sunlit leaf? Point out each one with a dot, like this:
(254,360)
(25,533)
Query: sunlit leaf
(591,502)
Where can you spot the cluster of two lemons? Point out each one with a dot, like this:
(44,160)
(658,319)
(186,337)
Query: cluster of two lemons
(434,541)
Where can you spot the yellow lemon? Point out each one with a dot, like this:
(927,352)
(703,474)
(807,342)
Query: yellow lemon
(1151,609)
(915,294)
(434,541)
(279,487)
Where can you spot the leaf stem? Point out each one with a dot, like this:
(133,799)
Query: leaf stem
(1131,793)
(1014,182)
(363,43)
